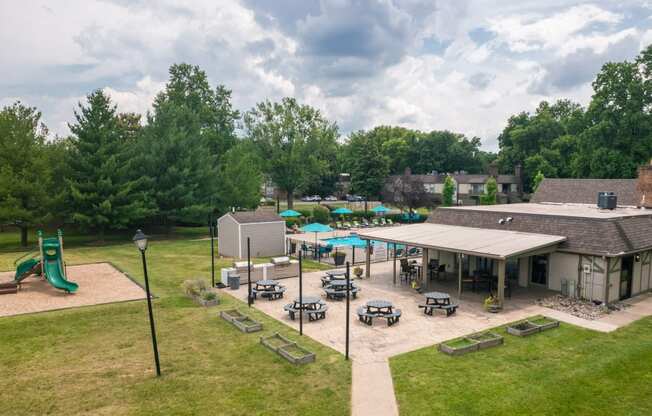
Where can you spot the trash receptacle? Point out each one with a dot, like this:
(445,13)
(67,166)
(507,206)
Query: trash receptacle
(234,281)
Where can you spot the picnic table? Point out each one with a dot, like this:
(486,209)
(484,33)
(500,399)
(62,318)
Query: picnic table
(337,275)
(438,300)
(379,309)
(313,306)
(336,289)
(269,289)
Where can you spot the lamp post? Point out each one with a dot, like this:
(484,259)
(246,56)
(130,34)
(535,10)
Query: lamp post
(211,228)
(140,240)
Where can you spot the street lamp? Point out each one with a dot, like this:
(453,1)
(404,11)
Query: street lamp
(140,240)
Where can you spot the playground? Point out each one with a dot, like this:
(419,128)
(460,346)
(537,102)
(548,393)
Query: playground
(99,283)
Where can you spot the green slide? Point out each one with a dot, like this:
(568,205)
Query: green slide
(26,268)
(53,269)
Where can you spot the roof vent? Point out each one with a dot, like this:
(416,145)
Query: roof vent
(607,200)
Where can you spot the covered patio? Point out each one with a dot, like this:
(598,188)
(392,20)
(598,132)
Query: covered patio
(456,245)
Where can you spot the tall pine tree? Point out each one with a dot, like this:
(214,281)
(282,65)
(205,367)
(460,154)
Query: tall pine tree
(103,193)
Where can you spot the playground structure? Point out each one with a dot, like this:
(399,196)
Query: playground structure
(47,263)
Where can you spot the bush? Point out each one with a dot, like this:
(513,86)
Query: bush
(194,287)
(361,214)
(208,295)
(306,213)
(321,214)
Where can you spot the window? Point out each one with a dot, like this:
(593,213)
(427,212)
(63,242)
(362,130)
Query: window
(505,188)
(477,188)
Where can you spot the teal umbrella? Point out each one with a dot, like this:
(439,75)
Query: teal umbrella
(380,209)
(316,227)
(290,213)
(342,211)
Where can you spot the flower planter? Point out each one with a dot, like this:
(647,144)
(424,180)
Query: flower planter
(247,325)
(339,258)
(544,323)
(296,354)
(203,302)
(231,314)
(275,341)
(522,329)
(459,347)
(487,339)
(494,308)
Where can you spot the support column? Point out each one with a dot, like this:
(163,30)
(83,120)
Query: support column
(501,282)
(424,267)
(394,280)
(367,271)
(459,275)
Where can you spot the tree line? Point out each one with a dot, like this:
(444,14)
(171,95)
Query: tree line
(193,154)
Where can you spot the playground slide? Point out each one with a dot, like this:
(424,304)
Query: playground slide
(26,268)
(57,278)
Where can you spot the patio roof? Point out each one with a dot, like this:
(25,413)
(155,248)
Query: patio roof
(497,244)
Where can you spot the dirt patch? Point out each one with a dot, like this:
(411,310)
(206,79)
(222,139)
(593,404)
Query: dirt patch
(99,283)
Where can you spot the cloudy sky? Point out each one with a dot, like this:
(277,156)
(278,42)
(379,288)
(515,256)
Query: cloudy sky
(455,64)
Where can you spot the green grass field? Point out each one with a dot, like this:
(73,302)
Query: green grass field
(564,371)
(98,360)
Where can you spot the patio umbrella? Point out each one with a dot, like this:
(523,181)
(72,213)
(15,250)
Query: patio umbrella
(380,209)
(342,211)
(288,213)
(316,227)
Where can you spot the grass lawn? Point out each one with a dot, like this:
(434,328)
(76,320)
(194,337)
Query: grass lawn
(98,360)
(563,371)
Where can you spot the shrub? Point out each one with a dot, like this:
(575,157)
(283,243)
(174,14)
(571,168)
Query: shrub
(306,213)
(193,287)
(208,295)
(321,214)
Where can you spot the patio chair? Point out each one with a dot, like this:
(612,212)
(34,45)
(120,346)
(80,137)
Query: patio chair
(375,222)
(356,224)
(339,225)
(347,225)
(399,252)
(365,223)
(383,222)
(389,221)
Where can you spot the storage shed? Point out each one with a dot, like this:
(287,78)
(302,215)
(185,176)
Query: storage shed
(265,229)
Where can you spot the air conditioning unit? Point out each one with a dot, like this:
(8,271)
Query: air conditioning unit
(607,200)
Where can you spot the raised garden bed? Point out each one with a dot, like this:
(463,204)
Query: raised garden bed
(487,339)
(207,302)
(246,324)
(275,341)
(296,354)
(231,314)
(523,329)
(544,323)
(459,346)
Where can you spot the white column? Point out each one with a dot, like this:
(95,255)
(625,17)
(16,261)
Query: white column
(367,272)
(459,275)
(501,282)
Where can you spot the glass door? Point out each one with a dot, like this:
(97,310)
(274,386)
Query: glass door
(539,270)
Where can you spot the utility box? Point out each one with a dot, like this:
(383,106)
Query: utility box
(607,200)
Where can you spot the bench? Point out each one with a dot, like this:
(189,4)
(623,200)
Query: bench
(289,308)
(449,309)
(393,317)
(339,294)
(364,316)
(367,318)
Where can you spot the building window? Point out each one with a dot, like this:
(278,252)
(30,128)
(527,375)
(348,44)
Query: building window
(477,188)
(505,188)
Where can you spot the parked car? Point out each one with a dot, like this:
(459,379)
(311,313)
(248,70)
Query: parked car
(330,198)
(354,198)
(316,198)
(306,198)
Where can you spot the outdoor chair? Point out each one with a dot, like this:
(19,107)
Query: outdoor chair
(356,224)
(375,222)
(339,225)
(365,223)
(383,222)
(347,225)
(389,221)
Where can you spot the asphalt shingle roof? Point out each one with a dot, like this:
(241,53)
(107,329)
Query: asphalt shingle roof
(585,191)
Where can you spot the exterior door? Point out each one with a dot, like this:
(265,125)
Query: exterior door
(626,275)
(539,270)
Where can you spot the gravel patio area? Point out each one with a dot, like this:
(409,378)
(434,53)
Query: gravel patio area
(99,283)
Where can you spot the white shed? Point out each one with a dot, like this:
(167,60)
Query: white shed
(266,231)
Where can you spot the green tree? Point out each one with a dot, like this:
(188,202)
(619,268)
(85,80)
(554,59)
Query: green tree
(490,193)
(102,194)
(448,191)
(25,177)
(185,139)
(291,139)
(321,214)
(538,178)
(240,179)
(367,164)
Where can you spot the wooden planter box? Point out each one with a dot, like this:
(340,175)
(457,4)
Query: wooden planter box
(231,314)
(471,345)
(296,354)
(206,303)
(546,324)
(247,324)
(487,339)
(275,341)
(523,329)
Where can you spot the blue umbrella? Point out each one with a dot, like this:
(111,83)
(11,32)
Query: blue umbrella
(342,211)
(316,227)
(290,213)
(380,209)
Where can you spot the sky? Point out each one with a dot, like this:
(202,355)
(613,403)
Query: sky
(460,65)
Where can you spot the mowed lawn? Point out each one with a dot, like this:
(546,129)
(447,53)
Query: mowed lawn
(98,360)
(564,371)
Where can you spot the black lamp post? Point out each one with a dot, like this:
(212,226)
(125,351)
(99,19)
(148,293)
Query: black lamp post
(140,240)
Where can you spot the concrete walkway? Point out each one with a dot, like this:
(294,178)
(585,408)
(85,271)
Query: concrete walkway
(371,347)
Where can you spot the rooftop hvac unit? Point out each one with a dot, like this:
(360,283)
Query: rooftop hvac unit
(607,200)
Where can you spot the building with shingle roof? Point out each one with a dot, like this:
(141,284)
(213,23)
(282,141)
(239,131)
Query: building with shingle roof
(265,230)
